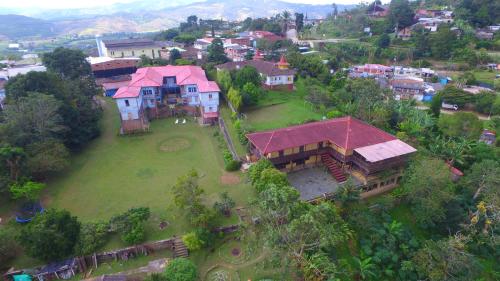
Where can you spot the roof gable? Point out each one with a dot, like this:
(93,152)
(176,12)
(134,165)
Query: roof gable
(346,132)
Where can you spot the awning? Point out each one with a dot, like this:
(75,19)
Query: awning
(385,150)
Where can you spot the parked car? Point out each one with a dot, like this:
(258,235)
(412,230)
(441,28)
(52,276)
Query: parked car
(449,106)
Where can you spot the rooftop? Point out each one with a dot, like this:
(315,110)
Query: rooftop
(153,77)
(346,132)
(265,67)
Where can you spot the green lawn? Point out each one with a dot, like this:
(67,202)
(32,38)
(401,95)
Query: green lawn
(485,76)
(115,173)
(280,109)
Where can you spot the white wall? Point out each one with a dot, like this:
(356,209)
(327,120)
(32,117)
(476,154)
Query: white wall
(279,80)
(208,102)
(130,112)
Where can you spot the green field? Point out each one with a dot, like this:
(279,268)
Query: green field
(115,173)
(279,109)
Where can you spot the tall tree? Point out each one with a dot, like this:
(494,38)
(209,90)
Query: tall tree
(428,188)
(51,235)
(67,63)
(34,118)
(447,259)
(400,14)
(462,124)
(299,21)
(216,52)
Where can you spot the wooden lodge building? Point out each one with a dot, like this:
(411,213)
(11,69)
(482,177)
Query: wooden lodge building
(344,145)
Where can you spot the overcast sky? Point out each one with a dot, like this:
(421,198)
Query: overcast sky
(63,4)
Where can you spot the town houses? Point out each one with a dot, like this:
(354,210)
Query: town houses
(274,75)
(154,91)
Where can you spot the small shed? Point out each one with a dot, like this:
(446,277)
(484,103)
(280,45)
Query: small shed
(58,270)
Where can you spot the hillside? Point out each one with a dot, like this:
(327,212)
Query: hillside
(16,26)
(148,16)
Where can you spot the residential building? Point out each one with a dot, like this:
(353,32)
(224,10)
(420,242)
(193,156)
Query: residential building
(203,43)
(131,48)
(485,34)
(408,88)
(344,145)
(106,67)
(236,52)
(413,72)
(378,11)
(155,91)
(274,75)
(371,70)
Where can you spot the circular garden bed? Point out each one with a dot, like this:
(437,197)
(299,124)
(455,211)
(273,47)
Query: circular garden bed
(220,273)
(236,252)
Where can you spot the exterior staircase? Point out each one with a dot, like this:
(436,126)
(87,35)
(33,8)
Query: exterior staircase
(180,250)
(333,168)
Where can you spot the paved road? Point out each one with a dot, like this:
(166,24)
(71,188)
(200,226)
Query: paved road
(444,111)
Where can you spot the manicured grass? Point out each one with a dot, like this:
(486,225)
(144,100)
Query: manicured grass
(279,109)
(115,173)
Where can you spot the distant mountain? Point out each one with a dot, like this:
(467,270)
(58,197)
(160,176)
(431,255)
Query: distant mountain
(154,15)
(16,26)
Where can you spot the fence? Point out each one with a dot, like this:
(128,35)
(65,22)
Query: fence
(84,263)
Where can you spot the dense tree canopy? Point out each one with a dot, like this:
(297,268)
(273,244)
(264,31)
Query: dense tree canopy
(51,235)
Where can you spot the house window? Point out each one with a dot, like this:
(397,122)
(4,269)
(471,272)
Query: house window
(127,103)
(281,153)
(320,145)
(210,109)
(152,102)
(123,54)
(301,148)
(209,96)
(112,53)
(147,92)
(133,53)
(192,89)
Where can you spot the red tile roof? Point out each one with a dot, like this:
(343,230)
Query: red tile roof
(346,132)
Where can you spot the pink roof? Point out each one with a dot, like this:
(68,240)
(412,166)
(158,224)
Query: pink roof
(184,74)
(346,132)
(127,92)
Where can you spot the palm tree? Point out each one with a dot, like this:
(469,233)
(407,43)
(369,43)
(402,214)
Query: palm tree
(285,16)
(365,268)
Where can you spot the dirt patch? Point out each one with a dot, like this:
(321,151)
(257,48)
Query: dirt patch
(230,179)
(235,252)
(174,144)
(163,225)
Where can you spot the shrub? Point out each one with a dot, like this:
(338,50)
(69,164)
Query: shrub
(192,241)
(92,237)
(232,165)
(181,269)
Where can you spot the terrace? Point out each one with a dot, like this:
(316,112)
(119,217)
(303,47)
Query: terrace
(315,182)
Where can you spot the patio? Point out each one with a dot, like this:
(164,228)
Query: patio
(314,182)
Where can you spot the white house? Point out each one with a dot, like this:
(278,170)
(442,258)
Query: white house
(155,88)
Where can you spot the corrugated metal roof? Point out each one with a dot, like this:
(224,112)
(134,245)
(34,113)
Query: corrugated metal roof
(385,150)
